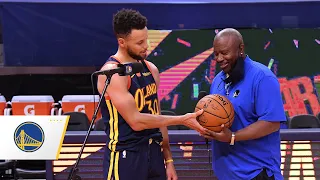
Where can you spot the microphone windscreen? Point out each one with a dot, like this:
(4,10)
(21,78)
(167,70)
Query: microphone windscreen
(131,68)
(202,94)
(136,67)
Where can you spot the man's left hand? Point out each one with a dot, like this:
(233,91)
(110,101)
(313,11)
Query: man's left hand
(223,136)
(171,172)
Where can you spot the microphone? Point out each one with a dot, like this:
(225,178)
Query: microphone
(202,94)
(122,69)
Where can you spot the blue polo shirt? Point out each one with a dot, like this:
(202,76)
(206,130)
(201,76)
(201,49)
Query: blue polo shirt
(256,97)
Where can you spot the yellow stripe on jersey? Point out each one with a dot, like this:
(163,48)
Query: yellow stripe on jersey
(116,167)
(114,135)
(110,123)
(110,166)
(116,128)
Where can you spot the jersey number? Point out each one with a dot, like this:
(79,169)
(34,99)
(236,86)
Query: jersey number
(153,106)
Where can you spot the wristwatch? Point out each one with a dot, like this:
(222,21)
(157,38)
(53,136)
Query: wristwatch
(233,136)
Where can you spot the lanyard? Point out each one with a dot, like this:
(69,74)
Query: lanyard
(227,87)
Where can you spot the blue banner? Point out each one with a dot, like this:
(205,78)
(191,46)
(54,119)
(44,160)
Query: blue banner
(80,33)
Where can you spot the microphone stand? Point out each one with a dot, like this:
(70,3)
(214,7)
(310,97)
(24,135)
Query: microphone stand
(75,169)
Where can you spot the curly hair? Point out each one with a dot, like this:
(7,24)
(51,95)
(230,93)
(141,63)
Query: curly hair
(127,19)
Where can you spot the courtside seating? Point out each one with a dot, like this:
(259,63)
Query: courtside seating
(32,105)
(80,103)
(304,121)
(3,106)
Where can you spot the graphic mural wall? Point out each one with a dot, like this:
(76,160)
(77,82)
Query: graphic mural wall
(186,65)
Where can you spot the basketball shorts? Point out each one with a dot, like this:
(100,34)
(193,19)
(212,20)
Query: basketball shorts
(147,163)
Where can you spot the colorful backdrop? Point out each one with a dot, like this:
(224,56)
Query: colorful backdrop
(186,65)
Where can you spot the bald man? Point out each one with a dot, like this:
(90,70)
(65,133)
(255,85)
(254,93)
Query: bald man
(250,149)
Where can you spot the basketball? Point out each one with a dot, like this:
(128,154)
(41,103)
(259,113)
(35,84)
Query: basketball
(217,110)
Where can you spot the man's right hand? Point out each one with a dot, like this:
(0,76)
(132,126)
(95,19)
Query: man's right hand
(190,121)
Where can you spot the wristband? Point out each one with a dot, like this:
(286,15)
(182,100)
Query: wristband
(169,160)
(233,136)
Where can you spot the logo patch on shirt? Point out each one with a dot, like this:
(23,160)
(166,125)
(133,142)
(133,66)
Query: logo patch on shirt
(236,93)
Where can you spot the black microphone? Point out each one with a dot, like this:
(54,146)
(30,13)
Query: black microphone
(202,94)
(122,69)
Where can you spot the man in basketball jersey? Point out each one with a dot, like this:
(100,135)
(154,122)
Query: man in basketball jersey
(250,149)
(135,130)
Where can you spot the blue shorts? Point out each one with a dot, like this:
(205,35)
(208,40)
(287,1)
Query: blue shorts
(147,163)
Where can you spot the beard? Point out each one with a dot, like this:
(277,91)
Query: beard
(135,56)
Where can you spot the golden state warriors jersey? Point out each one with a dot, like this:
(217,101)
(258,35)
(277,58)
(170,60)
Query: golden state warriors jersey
(120,135)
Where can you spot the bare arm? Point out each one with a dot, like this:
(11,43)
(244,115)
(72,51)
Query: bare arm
(257,130)
(254,131)
(126,106)
(164,130)
(269,108)
(171,172)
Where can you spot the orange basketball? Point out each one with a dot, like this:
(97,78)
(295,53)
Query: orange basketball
(217,110)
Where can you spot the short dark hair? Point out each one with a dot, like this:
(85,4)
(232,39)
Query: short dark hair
(127,19)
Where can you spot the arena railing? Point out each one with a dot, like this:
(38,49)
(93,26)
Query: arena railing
(300,151)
